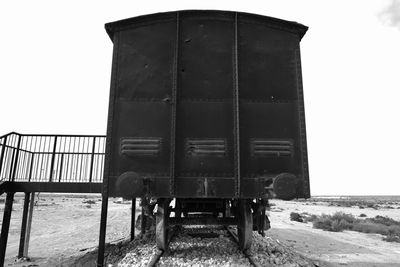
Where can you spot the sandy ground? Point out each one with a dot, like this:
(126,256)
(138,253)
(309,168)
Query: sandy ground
(66,228)
(337,248)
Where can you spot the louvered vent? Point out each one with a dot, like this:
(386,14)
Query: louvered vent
(140,146)
(271,147)
(205,147)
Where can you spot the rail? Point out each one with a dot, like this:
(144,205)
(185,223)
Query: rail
(52,158)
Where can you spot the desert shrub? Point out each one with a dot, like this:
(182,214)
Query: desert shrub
(338,216)
(309,218)
(384,220)
(394,230)
(294,216)
(392,238)
(368,227)
(338,226)
(363,215)
(393,234)
(89,201)
(335,223)
(341,221)
(323,222)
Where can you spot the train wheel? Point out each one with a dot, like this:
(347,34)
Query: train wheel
(162,224)
(245,224)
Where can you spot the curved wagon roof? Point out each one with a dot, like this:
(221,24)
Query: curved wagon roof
(271,22)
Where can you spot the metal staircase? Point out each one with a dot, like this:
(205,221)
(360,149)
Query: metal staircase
(46,163)
(51,163)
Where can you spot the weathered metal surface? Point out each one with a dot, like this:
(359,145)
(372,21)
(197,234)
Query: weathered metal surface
(221,90)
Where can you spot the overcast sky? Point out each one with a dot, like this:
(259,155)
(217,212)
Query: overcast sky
(55,65)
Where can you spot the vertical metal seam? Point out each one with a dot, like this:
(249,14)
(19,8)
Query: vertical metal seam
(302,122)
(236,109)
(106,172)
(173,108)
(114,85)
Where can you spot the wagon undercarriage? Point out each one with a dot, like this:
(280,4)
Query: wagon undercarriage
(247,215)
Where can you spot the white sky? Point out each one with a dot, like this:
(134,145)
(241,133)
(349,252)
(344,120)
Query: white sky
(55,64)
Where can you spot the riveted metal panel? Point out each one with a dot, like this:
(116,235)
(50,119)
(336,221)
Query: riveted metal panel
(204,121)
(145,62)
(131,125)
(143,99)
(205,68)
(268,121)
(208,86)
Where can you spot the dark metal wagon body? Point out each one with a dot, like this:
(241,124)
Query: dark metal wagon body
(206,104)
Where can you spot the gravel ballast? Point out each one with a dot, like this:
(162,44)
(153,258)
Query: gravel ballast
(188,250)
(199,246)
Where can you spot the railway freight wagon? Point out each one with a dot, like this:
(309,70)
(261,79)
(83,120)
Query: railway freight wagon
(206,118)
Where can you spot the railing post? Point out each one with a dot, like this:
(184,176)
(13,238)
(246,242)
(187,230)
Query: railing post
(29,224)
(52,159)
(61,166)
(23,226)
(3,150)
(92,160)
(5,227)
(31,167)
(15,163)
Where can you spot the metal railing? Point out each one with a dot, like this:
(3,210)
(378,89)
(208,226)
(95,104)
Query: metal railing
(52,158)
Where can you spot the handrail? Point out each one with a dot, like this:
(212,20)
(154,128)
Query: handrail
(10,133)
(51,157)
(66,135)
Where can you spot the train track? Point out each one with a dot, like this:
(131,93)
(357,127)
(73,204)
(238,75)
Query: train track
(210,246)
(159,253)
(177,252)
(251,259)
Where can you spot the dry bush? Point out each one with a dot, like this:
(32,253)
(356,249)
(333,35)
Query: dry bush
(384,220)
(310,217)
(341,221)
(334,223)
(368,227)
(338,216)
(294,216)
(392,238)
(340,225)
(89,201)
(393,234)
(323,222)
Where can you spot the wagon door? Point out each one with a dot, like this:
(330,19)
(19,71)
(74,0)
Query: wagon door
(205,119)
(143,98)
